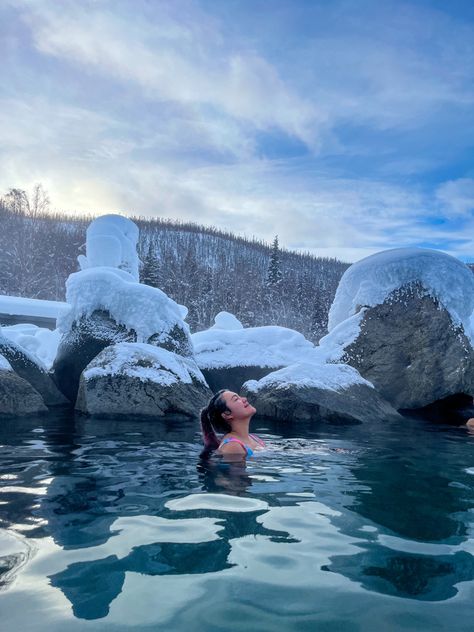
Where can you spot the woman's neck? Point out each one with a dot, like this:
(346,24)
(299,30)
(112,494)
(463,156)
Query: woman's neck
(242,430)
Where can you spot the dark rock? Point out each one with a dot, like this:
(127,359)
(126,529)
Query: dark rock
(358,402)
(130,388)
(411,351)
(26,367)
(233,377)
(17,396)
(91,335)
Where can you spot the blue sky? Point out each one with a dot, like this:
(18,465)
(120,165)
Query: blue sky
(345,127)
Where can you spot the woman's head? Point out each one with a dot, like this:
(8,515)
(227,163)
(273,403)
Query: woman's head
(224,411)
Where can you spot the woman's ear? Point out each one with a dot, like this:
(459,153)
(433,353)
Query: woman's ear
(227,414)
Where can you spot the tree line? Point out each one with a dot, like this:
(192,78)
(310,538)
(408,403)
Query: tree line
(204,268)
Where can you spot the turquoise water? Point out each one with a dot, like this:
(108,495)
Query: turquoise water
(118,526)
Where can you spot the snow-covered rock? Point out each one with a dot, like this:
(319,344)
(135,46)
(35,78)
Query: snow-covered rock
(107,305)
(111,241)
(370,281)
(229,355)
(309,391)
(140,379)
(402,318)
(29,368)
(40,342)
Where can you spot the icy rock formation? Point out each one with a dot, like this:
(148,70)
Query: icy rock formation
(111,241)
(108,306)
(140,379)
(17,396)
(228,354)
(308,391)
(407,317)
(30,369)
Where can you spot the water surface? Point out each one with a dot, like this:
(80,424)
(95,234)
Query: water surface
(118,525)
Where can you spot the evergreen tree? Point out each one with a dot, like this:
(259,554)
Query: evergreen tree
(150,272)
(274,274)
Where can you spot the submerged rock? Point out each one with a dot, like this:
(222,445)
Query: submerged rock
(304,391)
(139,379)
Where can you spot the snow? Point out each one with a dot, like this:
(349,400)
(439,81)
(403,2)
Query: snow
(146,310)
(17,305)
(269,346)
(4,364)
(334,377)
(145,362)
(226,320)
(369,281)
(331,347)
(111,241)
(39,342)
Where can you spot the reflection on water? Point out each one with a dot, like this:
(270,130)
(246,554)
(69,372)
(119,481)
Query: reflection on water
(132,528)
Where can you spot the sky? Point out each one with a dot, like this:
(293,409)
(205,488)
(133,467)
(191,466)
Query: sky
(345,127)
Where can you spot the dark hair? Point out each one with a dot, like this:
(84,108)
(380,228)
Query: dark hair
(212,420)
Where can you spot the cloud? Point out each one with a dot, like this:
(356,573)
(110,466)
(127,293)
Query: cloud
(457,196)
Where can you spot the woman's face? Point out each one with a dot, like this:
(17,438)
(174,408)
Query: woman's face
(238,406)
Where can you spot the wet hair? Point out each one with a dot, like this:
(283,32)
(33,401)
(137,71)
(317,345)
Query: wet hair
(212,420)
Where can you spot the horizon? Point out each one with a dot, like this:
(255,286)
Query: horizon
(343,129)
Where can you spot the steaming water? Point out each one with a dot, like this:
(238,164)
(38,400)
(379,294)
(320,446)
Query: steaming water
(118,526)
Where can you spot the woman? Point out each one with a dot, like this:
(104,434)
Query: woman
(229,413)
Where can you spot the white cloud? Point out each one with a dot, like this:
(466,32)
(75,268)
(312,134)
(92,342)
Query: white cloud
(457,196)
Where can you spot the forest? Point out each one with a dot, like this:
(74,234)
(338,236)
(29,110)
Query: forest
(204,268)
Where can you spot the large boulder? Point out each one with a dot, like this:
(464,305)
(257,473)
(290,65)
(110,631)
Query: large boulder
(402,318)
(229,354)
(312,392)
(411,351)
(29,368)
(108,307)
(139,379)
(17,396)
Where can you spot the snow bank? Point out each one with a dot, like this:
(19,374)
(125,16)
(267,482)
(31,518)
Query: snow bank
(111,241)
(369,281)
(145,362)
(39,342)
(20,306)
(226,320)
(269,346)
(146,310)
(334,377)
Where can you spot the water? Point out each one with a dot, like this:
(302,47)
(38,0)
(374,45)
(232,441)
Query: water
(118,526)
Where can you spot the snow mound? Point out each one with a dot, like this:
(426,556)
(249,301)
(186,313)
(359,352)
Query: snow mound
(111,241)
(146,310)
(368,283)
(21,306)
(334,377)
(226,320)
(4,364)
(269,346)
(39,342)
(145,362)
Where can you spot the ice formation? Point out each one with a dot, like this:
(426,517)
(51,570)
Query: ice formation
(334,377)
(146,362)
(368,283)
(226,320)
(111,241)
(146,310)
(269,346)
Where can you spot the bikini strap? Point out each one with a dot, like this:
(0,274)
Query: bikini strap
(230,439)
(257,439)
